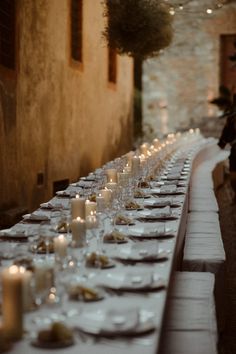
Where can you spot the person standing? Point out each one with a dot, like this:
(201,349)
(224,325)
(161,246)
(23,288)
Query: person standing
(228,136)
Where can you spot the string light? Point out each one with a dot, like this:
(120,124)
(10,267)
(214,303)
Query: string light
(189,6)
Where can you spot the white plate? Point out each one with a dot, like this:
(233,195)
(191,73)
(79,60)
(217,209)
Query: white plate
(147,231)
(131,281)
(122,322)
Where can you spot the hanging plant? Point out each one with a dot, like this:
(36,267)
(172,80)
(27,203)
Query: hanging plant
(139,28)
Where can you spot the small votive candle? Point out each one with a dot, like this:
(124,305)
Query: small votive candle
(60,246)
(111,185)
(90,207)
(12,297)
(91,221)
(78,229)
(77,207)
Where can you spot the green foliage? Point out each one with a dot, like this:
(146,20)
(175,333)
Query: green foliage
(138,28)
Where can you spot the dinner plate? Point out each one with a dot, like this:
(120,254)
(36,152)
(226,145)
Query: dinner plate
(160,214)
(116,322)
(151,232)
(132,281)
(143,255)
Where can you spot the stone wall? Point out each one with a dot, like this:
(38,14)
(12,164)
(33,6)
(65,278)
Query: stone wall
(179,83)
(65,121)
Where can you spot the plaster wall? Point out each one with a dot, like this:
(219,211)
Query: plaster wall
(69,119)
(178,84)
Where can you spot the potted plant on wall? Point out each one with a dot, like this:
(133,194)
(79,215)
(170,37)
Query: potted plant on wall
(138,28)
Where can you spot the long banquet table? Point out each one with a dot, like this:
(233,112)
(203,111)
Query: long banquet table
(150,303)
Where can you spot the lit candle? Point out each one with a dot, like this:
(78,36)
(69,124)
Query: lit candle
(78,229)
(43,275)
(144,149)
(12,308)
(78,207)
(123,178)
(135,165)
(111,185)
(156,143)
(111,174)
(60,246)
(106,194)
(91,221)
(90,206)
(27,293)
(100,203)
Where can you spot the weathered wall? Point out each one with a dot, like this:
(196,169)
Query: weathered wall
(68,120)
(180,82)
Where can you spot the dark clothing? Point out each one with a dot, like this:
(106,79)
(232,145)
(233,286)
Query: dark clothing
(228,136)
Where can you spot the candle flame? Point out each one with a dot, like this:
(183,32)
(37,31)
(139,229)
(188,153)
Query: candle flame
(13,269)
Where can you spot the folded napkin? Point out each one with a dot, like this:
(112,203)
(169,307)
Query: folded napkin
(51,206)
(168,189)
(147,230)
(156,214)
(112,321)
(36,217)
(10,235)
(156,203)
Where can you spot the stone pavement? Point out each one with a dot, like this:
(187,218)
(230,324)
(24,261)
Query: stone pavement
(227,213)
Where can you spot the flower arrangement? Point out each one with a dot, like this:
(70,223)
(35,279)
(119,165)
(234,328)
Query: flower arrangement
(138,28)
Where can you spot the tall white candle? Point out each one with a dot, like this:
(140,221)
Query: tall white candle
(106,194)
(100,203)
(27,293)
(90,206)
(135,165)
(60,246)
(12,297)
(78,229)
(91,221)
(78,207)
(43,275)
(144,149)
(111,174)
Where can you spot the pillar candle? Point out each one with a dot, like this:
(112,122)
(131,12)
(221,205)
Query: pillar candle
(43,275)
(156,143)
(144,149)
(78,207)
(91,221)
(123,178)
(27,293)
(78,229)
(111,185)
(106,194)
(100,203)
(12,307)
(90,206)
(135,165)
(60,246)
(111,174)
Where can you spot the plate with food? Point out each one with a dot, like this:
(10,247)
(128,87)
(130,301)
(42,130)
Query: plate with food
(115,236)
(55,337)
(125,321)
(123,220)
(132,205)
(96,260)
(80,292)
